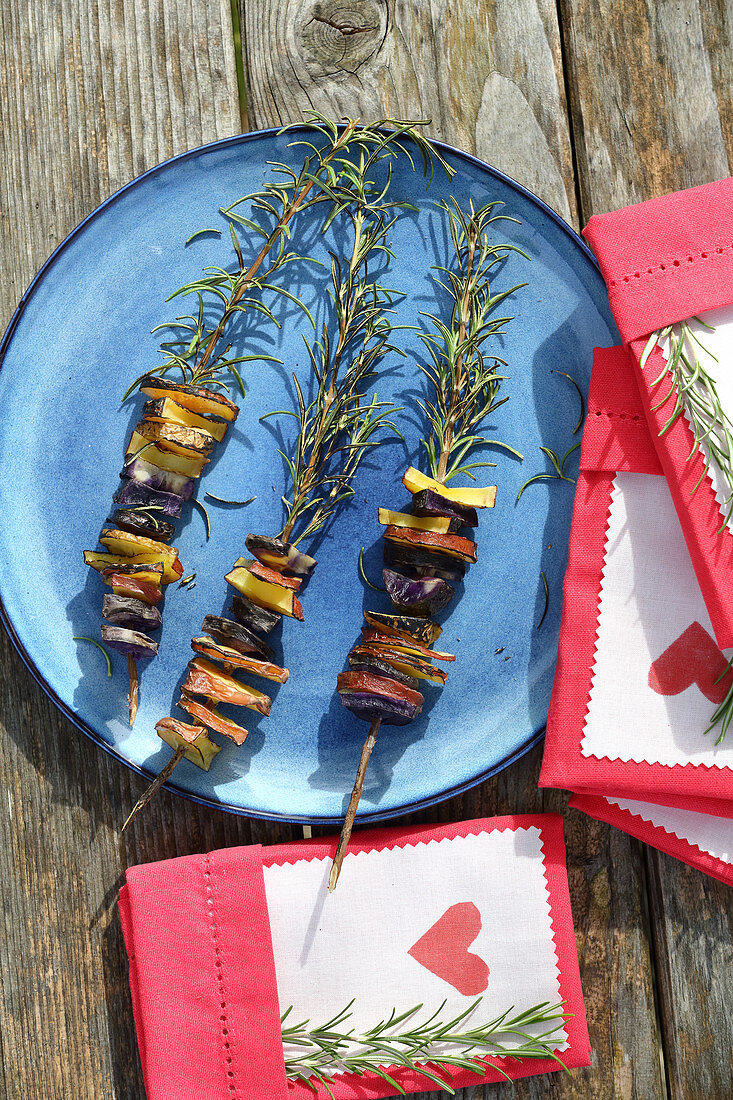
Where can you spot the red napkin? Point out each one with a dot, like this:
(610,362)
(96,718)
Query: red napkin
(616,443)
(635,684)
(220,944)
(668,260)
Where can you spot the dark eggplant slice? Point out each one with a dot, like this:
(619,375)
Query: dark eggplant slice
(369,697)
(423,563)
(196,398)
(361,662)
(167,481)
(132,613)
(280,555)
(135,494)
(142,523)
(405,626)
(429,503)
(236,635)
(393,712)
(130,642)
(260,619)
(417,595)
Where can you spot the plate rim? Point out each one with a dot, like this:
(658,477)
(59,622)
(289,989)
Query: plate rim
(5,619)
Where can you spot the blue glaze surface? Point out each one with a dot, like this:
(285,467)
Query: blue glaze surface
(83,331)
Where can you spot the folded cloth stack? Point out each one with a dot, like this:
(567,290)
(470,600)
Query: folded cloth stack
(647,628)
(221,945)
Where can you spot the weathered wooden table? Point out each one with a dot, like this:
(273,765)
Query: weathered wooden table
(591,105)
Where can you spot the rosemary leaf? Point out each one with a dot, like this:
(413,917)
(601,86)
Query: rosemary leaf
(84,638)
(547,600)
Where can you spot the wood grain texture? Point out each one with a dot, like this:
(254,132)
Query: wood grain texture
(489,75)
(650,91)
(91,95)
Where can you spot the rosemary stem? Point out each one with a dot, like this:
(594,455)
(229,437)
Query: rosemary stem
(348,824)
(155,785)
(254,267)
(464,311)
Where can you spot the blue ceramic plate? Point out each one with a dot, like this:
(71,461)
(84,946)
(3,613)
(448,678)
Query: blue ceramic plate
(83,332)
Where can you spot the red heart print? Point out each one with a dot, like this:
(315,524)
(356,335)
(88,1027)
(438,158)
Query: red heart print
(693,658)
(443,950)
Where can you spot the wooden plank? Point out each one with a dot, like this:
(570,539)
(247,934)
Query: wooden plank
(693,917)
(90,95)
(652,112)
(489,75)
(650,93)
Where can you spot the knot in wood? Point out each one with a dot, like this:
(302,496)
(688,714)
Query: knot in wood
(340,36)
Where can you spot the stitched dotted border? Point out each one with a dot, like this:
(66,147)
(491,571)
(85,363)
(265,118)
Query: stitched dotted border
(670,264)
(223,1018)
(616,415)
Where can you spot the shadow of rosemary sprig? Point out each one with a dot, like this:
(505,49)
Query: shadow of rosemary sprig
(316,1054)
(695,394)
(558,465)
(199,349)
(463,381)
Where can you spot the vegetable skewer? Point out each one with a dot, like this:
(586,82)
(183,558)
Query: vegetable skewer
(335,429)
(175,435)
(424,549)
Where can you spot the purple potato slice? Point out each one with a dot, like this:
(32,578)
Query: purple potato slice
(429,503)
(393,712)
(132,613)
(360,662)
(132,643)
(417,595)
(148,524)
(280,555)
(423,563)
(165,480)
(135,494)
(253,616)
(236,635)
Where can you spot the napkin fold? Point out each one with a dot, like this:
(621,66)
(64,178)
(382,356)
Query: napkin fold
(664,261)
(221,945)
(639,672)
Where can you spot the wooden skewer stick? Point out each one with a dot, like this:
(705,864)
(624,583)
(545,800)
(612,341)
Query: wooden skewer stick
(155,785)
(133,696)
(348,824)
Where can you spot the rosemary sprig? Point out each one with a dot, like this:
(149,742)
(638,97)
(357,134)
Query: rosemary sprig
(431,1047)
(695,394)
(326,174)
(558,465)
(464,382)
(338,426)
